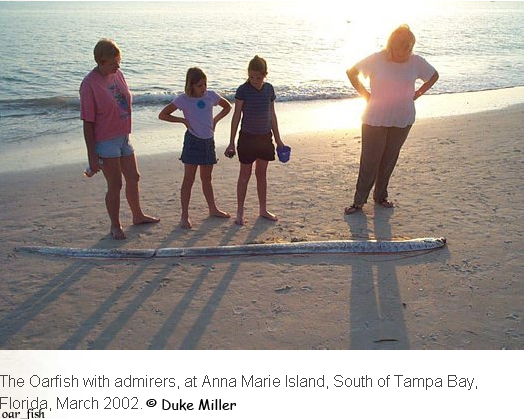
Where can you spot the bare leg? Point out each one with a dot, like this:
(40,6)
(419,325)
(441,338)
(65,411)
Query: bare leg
(185,193)
(113,174)
(261,174)
(130,171)
(207,189)
(243,180)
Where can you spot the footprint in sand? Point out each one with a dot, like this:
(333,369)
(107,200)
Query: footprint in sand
(285,290)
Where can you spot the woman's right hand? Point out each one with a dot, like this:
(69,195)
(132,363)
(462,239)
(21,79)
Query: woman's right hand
(95,163)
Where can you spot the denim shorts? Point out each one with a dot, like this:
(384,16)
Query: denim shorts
(115,147)
(198,151)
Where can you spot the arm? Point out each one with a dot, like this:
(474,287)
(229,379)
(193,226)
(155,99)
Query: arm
(274,126)
(89,137)
(235,120)
(426,86)
(226,108)
(165,115)
(352,74)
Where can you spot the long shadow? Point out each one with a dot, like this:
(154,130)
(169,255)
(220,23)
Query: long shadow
(125,315)
(50,292)
(392,331)
(159,341)
(73,341)
(11,324)
(197,330)
(376,308)
(108,334)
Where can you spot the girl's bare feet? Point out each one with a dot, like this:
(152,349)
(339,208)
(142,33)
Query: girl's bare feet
(219,213)
(186,223)
(117,232)
(268,215)
(145,219)
(239,220)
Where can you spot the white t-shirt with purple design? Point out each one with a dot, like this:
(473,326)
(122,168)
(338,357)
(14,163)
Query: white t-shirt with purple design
(199,112)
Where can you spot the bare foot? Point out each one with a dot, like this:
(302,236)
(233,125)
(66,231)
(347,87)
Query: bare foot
(145,219)
(186,223)
(219,213)
(118,233)
(268,215)
(240,220)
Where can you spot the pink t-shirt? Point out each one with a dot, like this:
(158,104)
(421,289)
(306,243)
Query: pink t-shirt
(106,101)
(392,89)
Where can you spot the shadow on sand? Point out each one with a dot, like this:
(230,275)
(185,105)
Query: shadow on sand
(376,310)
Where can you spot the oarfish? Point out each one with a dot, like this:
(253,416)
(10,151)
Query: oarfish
(257,249)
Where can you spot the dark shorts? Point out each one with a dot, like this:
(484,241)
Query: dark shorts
(198,151)
(255,146)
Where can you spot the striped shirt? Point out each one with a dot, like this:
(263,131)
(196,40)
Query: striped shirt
(256,109)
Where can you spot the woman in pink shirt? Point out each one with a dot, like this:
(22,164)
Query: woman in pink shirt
(389,113)
(105,108)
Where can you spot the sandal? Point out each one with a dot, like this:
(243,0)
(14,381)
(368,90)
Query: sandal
(351,209)
(385,203)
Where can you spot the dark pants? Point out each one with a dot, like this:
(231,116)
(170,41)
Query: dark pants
(380,150)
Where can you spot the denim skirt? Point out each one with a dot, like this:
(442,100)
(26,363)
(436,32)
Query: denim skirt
(198,151)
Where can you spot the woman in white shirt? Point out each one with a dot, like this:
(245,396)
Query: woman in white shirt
(389,113)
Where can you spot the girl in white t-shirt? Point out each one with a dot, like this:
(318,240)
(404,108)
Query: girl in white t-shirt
(197,105)
(389,113)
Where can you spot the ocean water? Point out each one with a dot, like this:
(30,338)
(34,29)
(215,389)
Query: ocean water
(46,50)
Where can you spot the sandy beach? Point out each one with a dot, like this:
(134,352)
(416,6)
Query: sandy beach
(458,176)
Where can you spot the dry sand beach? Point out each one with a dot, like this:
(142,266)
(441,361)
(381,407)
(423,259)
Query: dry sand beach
(458,177)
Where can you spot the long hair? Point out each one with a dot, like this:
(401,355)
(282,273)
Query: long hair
(193,76)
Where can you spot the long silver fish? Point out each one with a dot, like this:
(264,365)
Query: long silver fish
(297,248)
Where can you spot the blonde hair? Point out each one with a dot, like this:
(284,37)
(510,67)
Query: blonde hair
(193,76)
(258,64)
(400,36)
(106,49)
